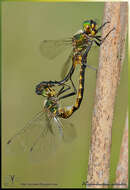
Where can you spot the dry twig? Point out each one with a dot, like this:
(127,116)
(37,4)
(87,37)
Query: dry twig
(110,63)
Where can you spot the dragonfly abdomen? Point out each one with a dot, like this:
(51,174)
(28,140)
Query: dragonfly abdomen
(81,88)
(67,112)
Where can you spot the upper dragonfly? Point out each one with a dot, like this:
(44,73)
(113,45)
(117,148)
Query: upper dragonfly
(78,42)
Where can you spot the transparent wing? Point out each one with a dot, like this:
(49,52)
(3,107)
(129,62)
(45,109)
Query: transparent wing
(69,131)
(52,48)
(66,65)
(41,134)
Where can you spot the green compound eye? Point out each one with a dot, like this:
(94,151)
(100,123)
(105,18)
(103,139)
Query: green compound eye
(86,23)
(44,93)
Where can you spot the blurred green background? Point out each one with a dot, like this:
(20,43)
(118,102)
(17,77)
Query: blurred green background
(24,26)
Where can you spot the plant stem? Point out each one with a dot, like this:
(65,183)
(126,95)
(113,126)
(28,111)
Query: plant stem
(110,63)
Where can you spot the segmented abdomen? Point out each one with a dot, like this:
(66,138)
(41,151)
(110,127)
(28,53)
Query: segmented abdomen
(68,111)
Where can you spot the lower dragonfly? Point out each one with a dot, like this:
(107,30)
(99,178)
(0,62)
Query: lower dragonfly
(48,122)
(45,130)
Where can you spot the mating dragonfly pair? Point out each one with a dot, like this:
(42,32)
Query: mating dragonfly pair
(81,44)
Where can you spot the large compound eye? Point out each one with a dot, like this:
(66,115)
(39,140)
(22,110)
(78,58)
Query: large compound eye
(86,25)
(44,92)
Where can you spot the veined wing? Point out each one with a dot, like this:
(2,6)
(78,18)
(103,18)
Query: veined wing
(67,64)
(52,48)
(41,134)
(69,131)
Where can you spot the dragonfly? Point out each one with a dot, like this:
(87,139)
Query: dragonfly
(45,131)
(78,42)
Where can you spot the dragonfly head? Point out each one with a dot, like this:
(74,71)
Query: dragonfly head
(48,92)
(89,27)
(45,90)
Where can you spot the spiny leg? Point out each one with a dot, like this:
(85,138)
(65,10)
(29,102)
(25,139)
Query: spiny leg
(62,90)
(70,94)
(103,39)
(91,67)
(102,26)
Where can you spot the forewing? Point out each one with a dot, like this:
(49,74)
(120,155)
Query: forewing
(40,136)
(24,138)
(52,48)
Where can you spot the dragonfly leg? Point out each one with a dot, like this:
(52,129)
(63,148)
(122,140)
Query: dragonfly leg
(98,38)
(97,43)
(91,67)
(62,90)
(103,39)
(100,41)
(102,26)
(70,94)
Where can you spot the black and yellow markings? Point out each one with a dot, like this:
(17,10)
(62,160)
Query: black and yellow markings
(67,112)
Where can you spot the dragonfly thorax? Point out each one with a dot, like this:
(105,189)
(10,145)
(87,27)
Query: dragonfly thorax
(51,106)
(79,42)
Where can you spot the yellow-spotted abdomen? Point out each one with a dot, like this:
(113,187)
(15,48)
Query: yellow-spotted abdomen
(68,111)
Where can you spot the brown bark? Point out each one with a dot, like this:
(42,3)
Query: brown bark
(110,63)
(122,168)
